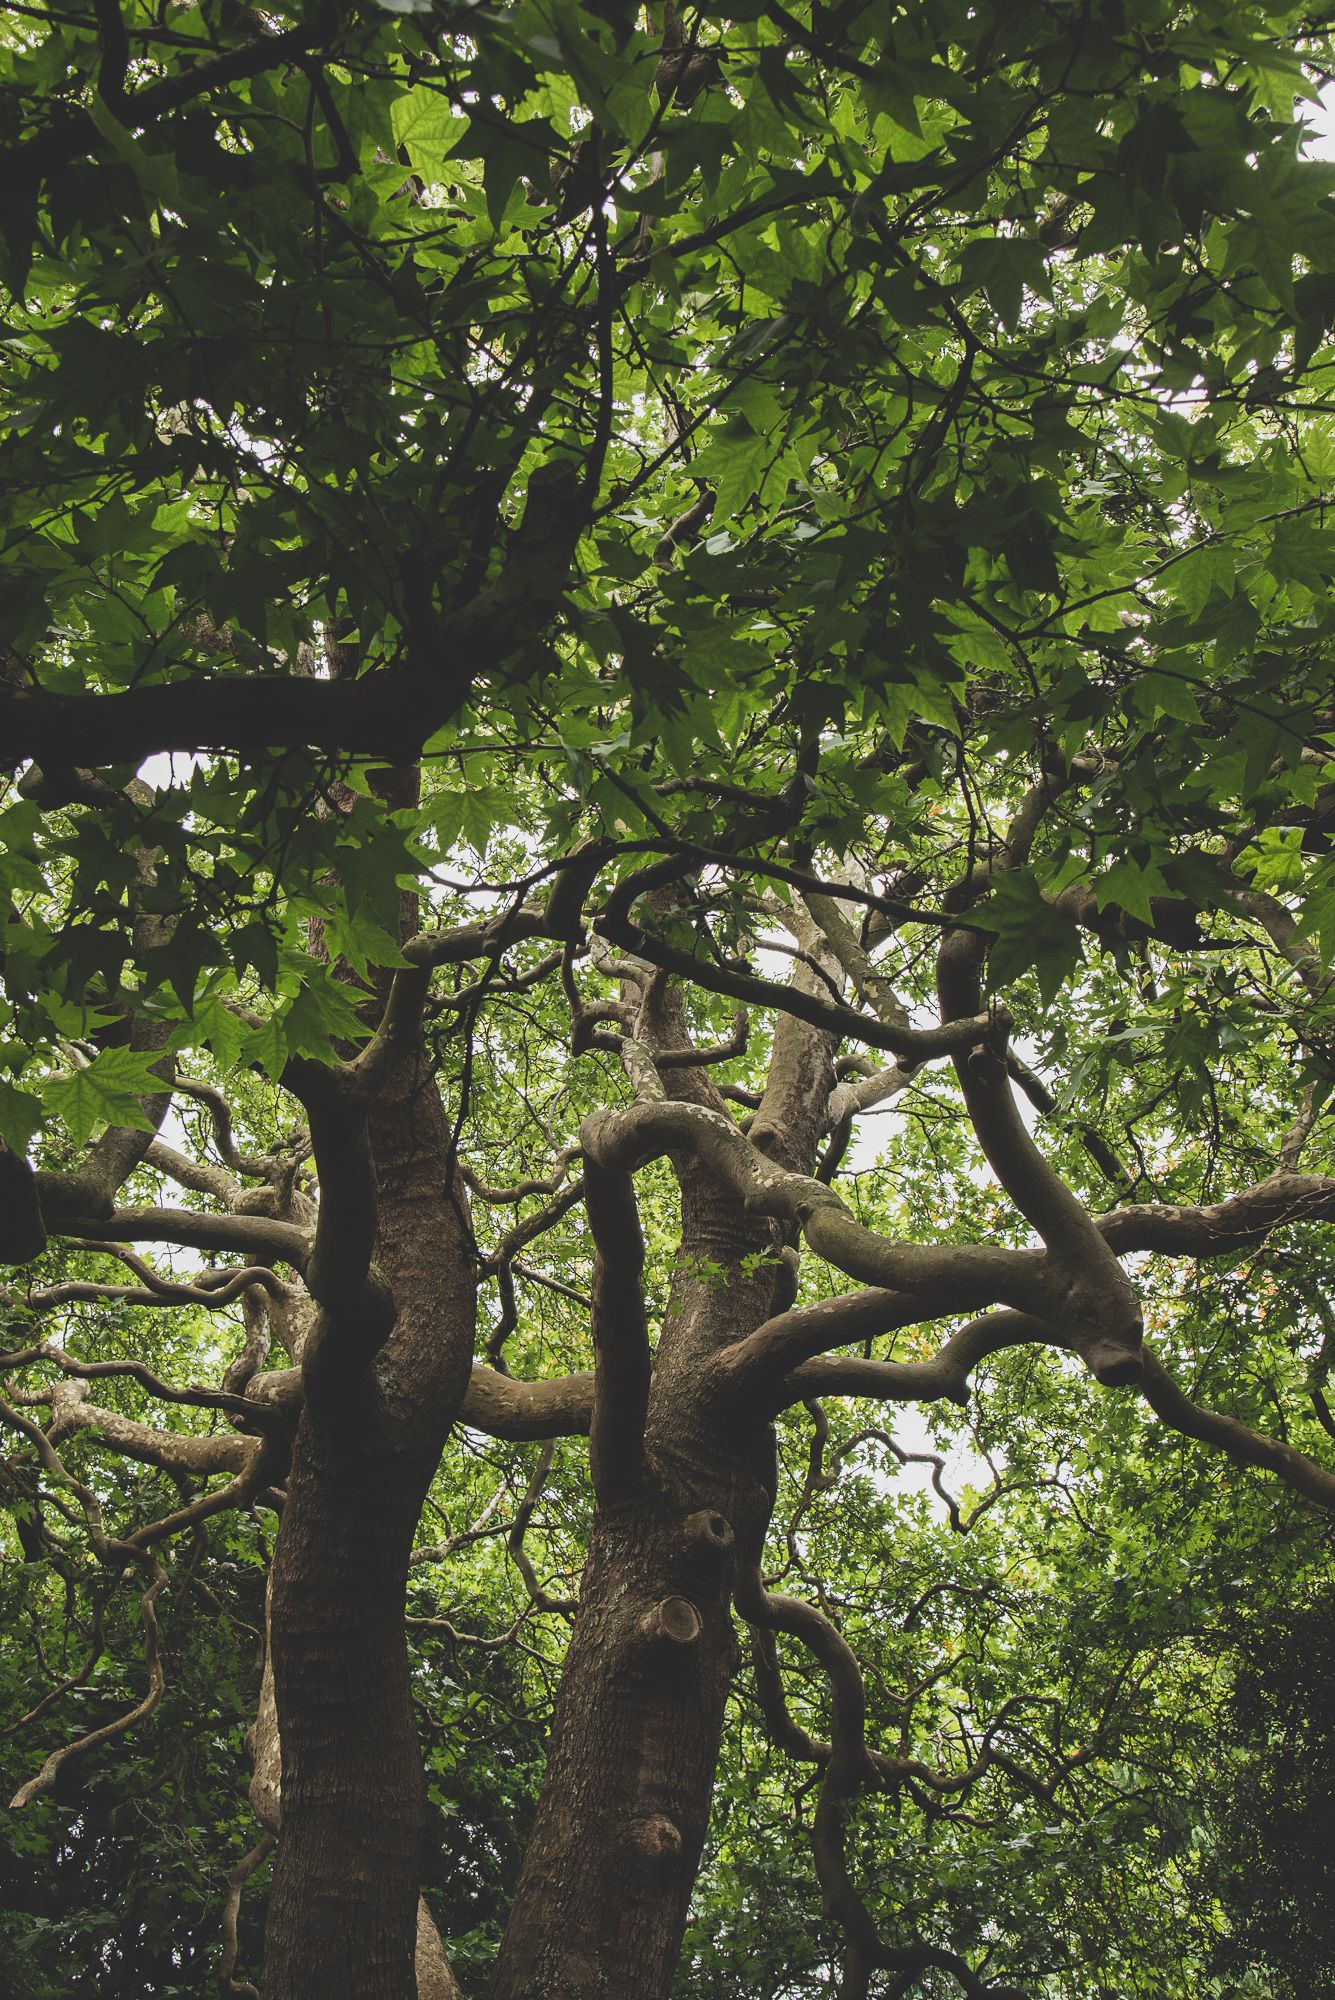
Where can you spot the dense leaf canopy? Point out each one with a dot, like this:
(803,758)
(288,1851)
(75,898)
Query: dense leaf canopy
(607,540)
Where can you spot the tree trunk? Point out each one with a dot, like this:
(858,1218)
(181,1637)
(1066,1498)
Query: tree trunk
(435,1979)
(604,1893)
(605,1889)
(343,1909)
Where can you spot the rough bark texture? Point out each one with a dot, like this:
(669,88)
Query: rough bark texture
(607,1878)
(603,1897)
(342,1910)
(435,1980)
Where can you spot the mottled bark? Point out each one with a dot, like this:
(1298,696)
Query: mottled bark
(435,1981)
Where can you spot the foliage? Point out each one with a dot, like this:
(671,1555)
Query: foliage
(733,471)
(1273,1863)
(248,346)
(114,1886)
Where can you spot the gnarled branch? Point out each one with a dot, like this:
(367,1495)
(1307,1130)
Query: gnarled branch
(620,1336)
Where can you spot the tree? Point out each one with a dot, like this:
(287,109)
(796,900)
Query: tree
(590,597)
(1274,1861)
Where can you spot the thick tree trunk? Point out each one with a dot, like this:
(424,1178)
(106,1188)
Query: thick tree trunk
(343,1910)
(605,1889)
(435,1979)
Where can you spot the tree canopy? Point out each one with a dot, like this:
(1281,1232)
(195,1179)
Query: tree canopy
(667,900)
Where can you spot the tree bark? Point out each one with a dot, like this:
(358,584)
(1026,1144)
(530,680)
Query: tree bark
(604,1893)
(343,1909)
(435,1979)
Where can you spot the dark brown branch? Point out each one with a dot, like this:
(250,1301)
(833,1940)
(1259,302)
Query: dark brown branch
(535,1224)
(498,1405)
(577,873)
(383,714)
(220,1117)
(1314,1101)
(116,1555)
(215,1288)
(96,1648)
(54,1465)
(464,998)
(864,1092)
(507,1319)
(799,1744)
(917,1044)
(534,1184)
(176,1451)
(1085,1281)
(946,1277)
(194,1394)
(486,938)
(22,1223)
(1042,1099)
(43,1780)
(757,1363)
(551,1284)
(1247,1446)
(397,1033)
(201,1175)
(500,1263)
(236,1496)
(357,1310)
(887,1772)
(231,1910)
(71,134)
(1242,1220)
(389,714)
(944,1376)
(108,1163)
(719,1052)
(115,54)
(866,976)
(620,1336)
(844,1765)
(248,1235)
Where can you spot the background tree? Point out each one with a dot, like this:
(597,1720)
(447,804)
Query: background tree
(713,577)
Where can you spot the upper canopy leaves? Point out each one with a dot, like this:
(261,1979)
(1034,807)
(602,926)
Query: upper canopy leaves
(641,405)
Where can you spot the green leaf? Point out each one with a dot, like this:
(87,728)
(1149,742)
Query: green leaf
(20,1116)
(734,463)
(106,1092)
(1002,267)
(426,125)
(1165,692)
(1028,932)
(1128,885)
(1198,575)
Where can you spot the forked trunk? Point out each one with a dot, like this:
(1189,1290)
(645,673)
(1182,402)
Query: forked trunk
(605,1890)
